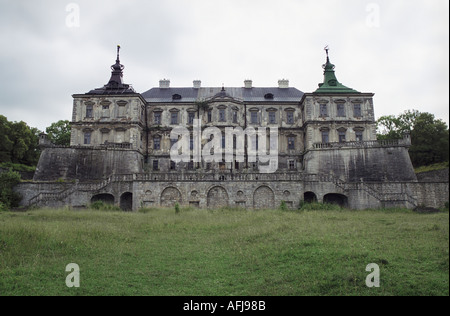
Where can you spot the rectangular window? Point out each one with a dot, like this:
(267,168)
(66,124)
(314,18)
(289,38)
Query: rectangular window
(173,165)
(290,117)
(87,138)
(291,142)
(272,117)
(235,116)
(157,143)
(341,109)
(191,143)
(254,117)
(155,165)
(190,165)
(222,117)
(323,110)
(191,116)
(209,116)
(157,118)
(174,118)
(236,165)
(359,136)
(223,141)
(89,111)
(325,137)
(342,137)
(357,110)
(208,166)
(291,164)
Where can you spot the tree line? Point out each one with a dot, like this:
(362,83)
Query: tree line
(19,142)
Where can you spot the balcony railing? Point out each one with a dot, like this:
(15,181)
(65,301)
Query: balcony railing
(362,144)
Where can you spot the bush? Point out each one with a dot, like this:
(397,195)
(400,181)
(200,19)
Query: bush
(177,208)
(3,207)
(8,197)
(283,206)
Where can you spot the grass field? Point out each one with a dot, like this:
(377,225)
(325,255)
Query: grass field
(224,252)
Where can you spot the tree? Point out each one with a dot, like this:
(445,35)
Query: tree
(429,141)
(18,142)
(9,198)
(429,136)
(59,133)
(391,127)
(5,142)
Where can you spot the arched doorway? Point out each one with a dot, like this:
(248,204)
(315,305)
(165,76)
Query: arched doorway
(309,197)
(126,201)
(217,197)
(336,198)
(263,198)
(104,197)
(170,196)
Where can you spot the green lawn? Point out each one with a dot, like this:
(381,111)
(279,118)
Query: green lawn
(224,252)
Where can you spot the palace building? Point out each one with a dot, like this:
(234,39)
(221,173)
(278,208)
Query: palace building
(326,146)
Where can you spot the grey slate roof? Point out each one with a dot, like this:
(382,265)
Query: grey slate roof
(165,95)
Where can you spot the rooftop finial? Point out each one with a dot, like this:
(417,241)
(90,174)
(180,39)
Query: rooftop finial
(118,49)
(326,50)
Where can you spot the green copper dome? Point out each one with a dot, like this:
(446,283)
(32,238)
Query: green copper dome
(330,83)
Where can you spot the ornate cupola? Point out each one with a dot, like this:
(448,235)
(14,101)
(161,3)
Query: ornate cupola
(117,71)
(330,83)
(115,84)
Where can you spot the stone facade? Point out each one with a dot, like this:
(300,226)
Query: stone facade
(121,141)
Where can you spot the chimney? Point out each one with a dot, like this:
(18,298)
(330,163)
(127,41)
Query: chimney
(164,84)
(197,84)
(248,84)
(283,84)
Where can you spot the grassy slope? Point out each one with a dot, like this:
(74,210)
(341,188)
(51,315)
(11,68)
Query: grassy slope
(226,252)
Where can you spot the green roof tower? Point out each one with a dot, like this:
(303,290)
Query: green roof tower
(330,83)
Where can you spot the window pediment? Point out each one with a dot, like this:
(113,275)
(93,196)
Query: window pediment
(122,102)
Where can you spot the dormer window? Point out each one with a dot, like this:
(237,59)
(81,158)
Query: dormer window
(176,97)
(268,96)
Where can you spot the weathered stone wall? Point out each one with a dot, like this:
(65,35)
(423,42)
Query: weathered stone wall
(217,194)
(430,194)
(85,163)
(362,164)
(433,176)
(214,194)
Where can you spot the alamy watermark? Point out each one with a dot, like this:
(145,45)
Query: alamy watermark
(73,18)
(73,278)
(373,16)
(373,279)
(187,147)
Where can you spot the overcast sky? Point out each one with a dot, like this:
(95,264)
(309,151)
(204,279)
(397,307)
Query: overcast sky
(51,49)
